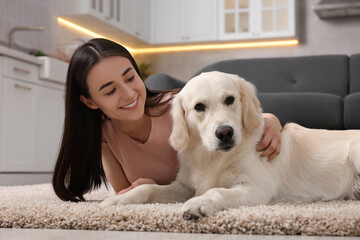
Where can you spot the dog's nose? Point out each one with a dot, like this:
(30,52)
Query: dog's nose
(224,133)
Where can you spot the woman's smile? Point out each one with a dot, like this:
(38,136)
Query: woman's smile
(131,106)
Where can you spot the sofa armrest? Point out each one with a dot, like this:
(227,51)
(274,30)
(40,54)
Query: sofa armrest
(352,111)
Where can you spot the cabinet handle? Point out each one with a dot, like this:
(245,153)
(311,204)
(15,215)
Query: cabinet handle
(22,87)
(16,69)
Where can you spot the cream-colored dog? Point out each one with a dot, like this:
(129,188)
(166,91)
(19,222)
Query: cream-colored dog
(217,125)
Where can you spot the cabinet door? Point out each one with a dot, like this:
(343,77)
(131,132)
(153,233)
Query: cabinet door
(235,19)
(201,20)
(108,11)
(168,21)
(51,108)
(127,11)
(18,126)
(142,21)
(276,18)
(179,21)
(255,19)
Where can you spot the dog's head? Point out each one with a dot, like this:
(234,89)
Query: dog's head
(214,108)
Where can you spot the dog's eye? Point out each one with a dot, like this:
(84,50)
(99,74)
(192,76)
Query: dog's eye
(200,107)
(229,100)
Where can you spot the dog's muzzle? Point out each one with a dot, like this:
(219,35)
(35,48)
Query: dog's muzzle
(225,135)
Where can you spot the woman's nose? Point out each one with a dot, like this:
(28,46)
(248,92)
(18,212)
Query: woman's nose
(126,92)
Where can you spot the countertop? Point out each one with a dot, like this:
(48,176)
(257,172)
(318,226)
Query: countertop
(20,56)
(50,68)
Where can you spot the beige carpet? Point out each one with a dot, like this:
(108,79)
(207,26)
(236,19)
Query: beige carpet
(37,207)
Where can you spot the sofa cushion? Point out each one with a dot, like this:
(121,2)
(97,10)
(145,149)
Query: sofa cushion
(354,73)
(352,111)
(312,110)
(163,82)
(325,73)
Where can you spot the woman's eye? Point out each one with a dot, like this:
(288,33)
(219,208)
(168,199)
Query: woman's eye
(111,92)
(130,79)
(229,100)
(200,107)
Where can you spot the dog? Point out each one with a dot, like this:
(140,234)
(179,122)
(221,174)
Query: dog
(217,124)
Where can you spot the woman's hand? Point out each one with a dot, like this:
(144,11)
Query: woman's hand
(271,141)
(138,182)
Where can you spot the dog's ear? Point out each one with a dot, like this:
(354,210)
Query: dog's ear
(251,110)
(179,137)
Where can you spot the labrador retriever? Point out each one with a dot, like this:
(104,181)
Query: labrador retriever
(217,125)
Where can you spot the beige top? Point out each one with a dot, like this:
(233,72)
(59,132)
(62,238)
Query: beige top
(154,159)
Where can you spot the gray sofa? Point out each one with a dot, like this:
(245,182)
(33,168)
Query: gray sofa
(314,91)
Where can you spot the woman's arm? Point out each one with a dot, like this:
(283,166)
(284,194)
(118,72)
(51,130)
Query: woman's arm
(271,141)
(138,182)
(113,170)
(115,173)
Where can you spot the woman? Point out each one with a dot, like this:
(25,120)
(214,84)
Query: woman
(117,130)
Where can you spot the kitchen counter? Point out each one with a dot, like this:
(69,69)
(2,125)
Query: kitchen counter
(49,68)
(20,55)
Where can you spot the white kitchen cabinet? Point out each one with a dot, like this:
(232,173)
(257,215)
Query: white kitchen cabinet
(167,21)
(18,126)
(184,21)
(31,118)
(152,21)
(51,111)
(179,21)
(136,18)
(256,19)
(201,20)
(102,16)
(141,19)
(107,10)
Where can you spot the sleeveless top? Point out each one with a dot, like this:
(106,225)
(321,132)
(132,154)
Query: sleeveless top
(154,159)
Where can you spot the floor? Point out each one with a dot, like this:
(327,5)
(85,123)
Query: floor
(53,234)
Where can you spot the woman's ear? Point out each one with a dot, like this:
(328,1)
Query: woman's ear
(88,102)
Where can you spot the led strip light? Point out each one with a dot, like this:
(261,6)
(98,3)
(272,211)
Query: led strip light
(278,43)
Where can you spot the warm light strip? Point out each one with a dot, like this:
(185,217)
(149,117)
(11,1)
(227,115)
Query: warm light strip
(219,46)
(88,32)
(277,43)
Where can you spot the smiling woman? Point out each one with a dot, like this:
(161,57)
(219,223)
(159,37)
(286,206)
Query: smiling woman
(107,104)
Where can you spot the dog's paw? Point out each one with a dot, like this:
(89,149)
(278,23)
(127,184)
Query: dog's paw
(197,207)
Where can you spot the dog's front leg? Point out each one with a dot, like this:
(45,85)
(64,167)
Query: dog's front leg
(218,199)
(152,193)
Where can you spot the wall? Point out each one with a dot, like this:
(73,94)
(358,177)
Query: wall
(336,36)
(29,13)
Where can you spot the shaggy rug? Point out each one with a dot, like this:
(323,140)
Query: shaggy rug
(36,206)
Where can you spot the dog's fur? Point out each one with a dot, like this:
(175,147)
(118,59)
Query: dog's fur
(217,125)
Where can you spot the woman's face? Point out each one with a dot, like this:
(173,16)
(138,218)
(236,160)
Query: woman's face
(116,89)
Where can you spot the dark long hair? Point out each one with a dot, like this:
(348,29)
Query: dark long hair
(79,168)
